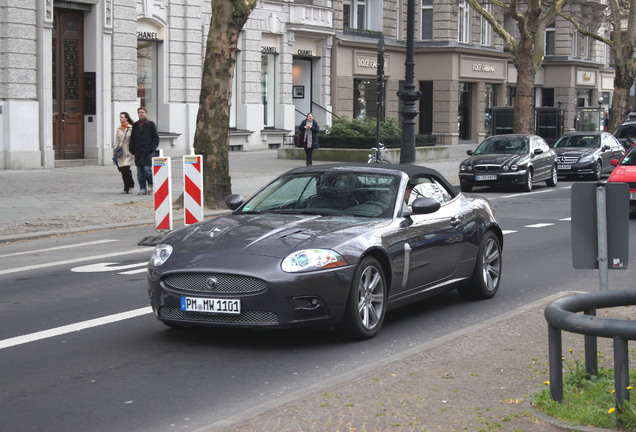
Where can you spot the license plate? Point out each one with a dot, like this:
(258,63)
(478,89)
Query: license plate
(211,305)
(564,167)
(486,177)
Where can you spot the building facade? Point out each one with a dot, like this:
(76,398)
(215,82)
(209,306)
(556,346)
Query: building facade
(69,67)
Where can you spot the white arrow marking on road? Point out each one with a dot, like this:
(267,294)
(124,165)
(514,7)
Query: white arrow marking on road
(72,261)
(92,243)
(508,231)
(108,267)
(45,334)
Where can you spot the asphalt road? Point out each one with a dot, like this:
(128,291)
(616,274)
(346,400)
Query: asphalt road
(80,350)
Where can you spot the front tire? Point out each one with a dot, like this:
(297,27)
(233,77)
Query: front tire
(554,177)
(366,305)
(527,185)
(486,277)
(598,171)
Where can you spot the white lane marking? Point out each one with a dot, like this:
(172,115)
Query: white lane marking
(508,231)
(567,219)
(75,260)
(539,225)
(523,194)
(45,334)
(106,267)
(92,243)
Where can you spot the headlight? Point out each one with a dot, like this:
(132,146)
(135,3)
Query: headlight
(462,168)
(514,167)
(586,159)
(312,259)
(161,253)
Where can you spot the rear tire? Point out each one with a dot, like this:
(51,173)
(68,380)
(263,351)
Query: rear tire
(366,305)
(486,277)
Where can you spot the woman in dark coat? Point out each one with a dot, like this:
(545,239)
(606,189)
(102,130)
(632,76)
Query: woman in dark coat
(308,130)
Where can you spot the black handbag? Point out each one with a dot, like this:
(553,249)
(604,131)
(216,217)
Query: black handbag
(299,140)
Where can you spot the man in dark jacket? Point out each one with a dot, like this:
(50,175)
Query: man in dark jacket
(144,140)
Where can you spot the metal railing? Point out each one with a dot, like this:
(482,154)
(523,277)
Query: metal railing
(562,314)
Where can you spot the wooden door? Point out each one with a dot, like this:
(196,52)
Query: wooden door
(68,84)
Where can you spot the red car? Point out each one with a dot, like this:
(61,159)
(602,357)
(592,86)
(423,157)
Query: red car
(625,172)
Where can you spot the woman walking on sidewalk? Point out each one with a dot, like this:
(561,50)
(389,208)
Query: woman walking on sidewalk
(308,131)
(121,150)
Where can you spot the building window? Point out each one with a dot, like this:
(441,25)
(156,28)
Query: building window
(426,20)
(588,47)
(147,76)
(463,23)
(486,29)
(575,43)
(547,97)
(583,98)
(550,39)
(234,98)
(268,85)
(365,98)
(354,14)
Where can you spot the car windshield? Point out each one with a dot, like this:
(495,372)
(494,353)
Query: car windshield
(630,157)
(625,131)
(589,141)
(337,192)
(498,145)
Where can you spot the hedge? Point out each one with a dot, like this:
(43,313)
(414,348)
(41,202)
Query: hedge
(329,141)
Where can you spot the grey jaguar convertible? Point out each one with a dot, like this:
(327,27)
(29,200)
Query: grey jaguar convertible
(328,246)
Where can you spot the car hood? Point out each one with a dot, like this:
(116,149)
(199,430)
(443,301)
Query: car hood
(272,235)
(498,159)
(575,151)
(623,174)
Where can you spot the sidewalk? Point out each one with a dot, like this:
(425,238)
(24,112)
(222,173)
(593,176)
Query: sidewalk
(62,200)
(480,379)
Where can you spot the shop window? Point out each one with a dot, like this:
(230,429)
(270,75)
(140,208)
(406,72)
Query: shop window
(550,43)
(583,98)
(147,76)
(268,86)
(426,20)
(463,22)
(512,92)
(486,29)
(490,101)
(365,98)
(547,96)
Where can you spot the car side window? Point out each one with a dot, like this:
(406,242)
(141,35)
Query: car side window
(429,187)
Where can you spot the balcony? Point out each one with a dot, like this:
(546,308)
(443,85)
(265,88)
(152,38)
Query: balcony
(312,17)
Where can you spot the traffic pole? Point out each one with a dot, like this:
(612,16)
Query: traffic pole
(162,191)
(192,189)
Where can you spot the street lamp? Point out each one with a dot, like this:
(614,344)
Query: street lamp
(409,95)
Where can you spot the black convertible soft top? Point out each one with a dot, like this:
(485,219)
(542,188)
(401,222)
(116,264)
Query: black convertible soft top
(410,170)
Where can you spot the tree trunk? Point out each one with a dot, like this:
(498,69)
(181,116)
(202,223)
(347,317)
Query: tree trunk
(523,113)
(211,138)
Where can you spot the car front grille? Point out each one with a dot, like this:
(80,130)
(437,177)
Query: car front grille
(487,168)
(246,317)
(215,283)
(567,159)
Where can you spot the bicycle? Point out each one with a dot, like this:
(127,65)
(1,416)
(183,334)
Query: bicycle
(379,154)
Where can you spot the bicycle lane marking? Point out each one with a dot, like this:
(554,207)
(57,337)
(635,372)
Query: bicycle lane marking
(73,261)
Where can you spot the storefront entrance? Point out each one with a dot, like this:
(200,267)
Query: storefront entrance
(68,84)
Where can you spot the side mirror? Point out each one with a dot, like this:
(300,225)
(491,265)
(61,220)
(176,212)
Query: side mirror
(614,162)
(470,152)
(233,201)
(538,151)
(425,205)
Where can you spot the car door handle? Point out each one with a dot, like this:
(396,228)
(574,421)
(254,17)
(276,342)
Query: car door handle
(455,221)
